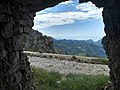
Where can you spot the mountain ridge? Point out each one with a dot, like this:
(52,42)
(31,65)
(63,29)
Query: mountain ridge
(80,47)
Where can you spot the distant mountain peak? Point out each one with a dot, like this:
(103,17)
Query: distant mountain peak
(90,41)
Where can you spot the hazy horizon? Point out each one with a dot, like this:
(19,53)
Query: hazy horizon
(77,39)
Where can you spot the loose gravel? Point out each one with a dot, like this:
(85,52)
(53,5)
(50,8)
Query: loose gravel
(66,67)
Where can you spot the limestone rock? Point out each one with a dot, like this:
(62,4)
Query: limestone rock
(36,41)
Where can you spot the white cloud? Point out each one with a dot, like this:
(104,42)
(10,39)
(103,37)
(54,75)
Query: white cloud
(85,11)
(66,2)
(86,6)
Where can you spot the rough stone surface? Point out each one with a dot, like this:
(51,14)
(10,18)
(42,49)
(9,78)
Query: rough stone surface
(16,20)
(35,41)
(111,42)
(15,73)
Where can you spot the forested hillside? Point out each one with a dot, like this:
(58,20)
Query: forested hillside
(80,47)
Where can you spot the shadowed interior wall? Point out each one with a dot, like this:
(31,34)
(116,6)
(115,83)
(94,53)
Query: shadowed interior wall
(15,73)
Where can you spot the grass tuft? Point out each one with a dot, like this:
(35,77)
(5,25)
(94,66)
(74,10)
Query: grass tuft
(45,80)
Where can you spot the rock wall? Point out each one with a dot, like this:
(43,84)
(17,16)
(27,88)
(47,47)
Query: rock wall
(16,19)
(15,73)
(35,41)
(111,42)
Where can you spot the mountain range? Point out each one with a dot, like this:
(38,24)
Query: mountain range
(80,47)
(35,41)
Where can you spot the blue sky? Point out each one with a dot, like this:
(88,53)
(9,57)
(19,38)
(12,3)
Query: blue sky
(71,20)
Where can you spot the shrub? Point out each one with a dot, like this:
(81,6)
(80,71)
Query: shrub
(103,61)
(74,58)
(50,56)
(44,56)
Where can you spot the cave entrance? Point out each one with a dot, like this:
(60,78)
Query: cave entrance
(72,21)
(16,19)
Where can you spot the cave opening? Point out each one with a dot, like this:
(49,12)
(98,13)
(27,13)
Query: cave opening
(16,19)
(72,21)
(51,22)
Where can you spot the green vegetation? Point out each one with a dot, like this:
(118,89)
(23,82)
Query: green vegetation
(45,80)
(87,48)
(74,58)
(102,60)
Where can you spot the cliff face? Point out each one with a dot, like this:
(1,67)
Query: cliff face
(111,42)
(35,41)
